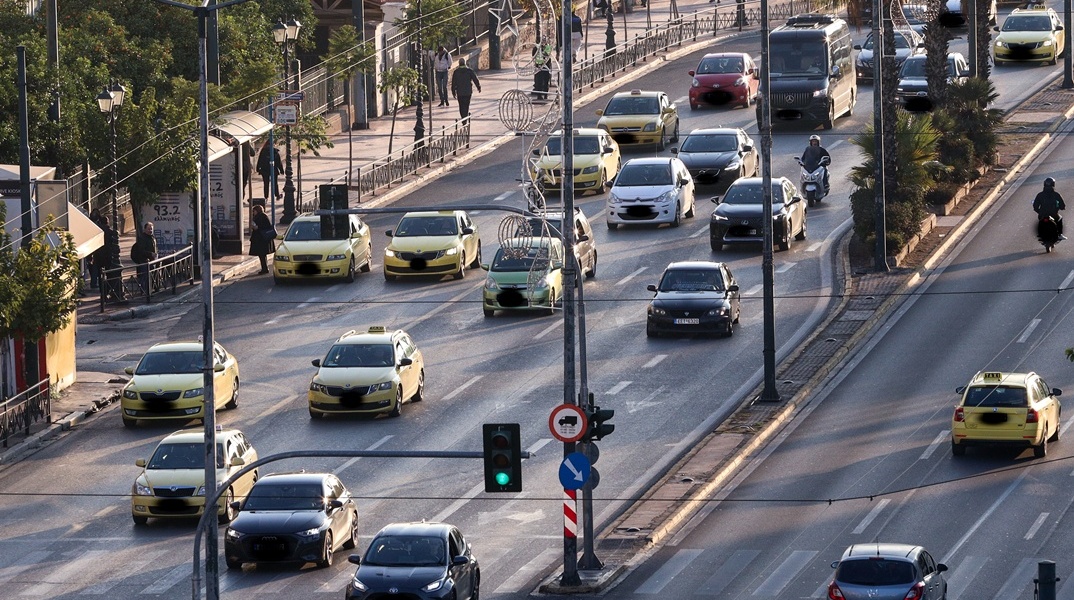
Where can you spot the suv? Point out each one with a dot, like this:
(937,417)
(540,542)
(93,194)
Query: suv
(913,88)
(882,571)
(739,216)
(585,245)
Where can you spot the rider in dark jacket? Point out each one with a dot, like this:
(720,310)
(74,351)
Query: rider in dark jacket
(812,156)
(1048,203)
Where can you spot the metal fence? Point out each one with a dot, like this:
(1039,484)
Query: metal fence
(121,285)
(25,409)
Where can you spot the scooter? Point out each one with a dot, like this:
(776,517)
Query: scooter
(813,181)
(1048,232)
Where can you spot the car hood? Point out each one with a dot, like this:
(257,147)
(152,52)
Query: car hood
(708,160)
(1023,37)
(163,478)
(379,577)
(641,192)
(688,300)
(323,247)
(742,211)
(718,79)
(914,83)
(510,277)
(277,521)
(166,381)
(580,161)
(423,243)
(352,376)
(613,121)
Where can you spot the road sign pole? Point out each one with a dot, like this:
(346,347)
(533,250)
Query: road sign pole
(589,560)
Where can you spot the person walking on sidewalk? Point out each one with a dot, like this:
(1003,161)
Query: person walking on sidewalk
(143,252)
(98,259)
(463,82)
(542,70)
(270,174)
(262,237)
(442,64)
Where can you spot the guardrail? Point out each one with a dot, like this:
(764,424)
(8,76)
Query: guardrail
(120,285)
(25,409)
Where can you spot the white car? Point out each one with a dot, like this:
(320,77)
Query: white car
(651,190)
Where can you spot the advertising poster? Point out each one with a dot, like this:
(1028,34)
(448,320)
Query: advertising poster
(173,221)
(223,197)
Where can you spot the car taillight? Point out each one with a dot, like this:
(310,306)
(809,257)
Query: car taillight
(1032,416)
(834,593)
(960,415)
(916,593)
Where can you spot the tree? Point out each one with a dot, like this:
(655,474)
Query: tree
(346,56)
(937,46)
(968,105)
(984,39)
(404,84)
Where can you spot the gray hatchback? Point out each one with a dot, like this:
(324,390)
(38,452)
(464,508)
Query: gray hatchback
(883,571)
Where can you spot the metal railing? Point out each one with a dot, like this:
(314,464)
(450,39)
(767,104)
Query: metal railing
(25,409)
(120,285)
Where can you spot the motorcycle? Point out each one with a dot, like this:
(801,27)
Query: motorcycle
(812,182)
(1047,232)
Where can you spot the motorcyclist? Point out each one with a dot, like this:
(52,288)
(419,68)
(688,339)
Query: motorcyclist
(812,156)
(1048,203)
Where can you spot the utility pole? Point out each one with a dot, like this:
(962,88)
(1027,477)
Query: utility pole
(769,393)
(1068,80)
(971,34)
(880,258)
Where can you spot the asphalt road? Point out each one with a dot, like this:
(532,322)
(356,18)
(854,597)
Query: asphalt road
(667,393)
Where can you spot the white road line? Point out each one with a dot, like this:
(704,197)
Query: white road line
(654,361)
(503,196)
(521,577)
(308,302)
(172,578)
(541,443)
(1020,579)
(814,246)
(727,572)
(784,573)
(1028,330)
(549,329)
(138,564)
(699,232)
(25,562)
(753,291)
(462,387)
(1066,282)
(70,571)
(618,387)
(104,511)
(873,514)
(277,319)
(659,580)
(787,266)
(355,459)
(442,516)
(941,437)
(985,516)
(1036,525)
(964,575)
(835,143)
(631,276)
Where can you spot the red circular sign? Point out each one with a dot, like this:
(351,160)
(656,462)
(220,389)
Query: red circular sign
(567,423)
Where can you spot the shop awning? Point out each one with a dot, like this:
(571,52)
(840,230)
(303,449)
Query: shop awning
(88,237)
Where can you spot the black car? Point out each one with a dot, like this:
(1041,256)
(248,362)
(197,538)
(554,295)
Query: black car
(694,297)
(913,88)
(292,517)
(907,44)
(739,215)
(416,561)
(718,156)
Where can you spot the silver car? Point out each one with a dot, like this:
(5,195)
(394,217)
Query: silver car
(881,571)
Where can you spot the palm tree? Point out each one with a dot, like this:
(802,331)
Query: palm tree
(968,103)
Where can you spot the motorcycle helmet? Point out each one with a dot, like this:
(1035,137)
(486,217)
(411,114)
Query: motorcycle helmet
(814,138)
(1049,183)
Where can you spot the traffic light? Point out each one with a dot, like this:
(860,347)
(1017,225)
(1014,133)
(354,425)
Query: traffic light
(502,448)
(598,427)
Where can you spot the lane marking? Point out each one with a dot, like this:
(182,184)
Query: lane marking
(873,514)
(985,516)
(814,246)
(518,580)
(136,565)
(727,573)
(667,571)
(836,143)
(1020,578)
(549,329)
(1036,525)
(354,459)
(753,291)
(472,493)
(541,443)
(173,577)
(308,302)
(69,572)
(963,576)
(1028,330)
(1066,282)
(698,233)
(657,360)
(787,266)
(618,387)
(503,196)
(940,438)
(462,387)
(783,574)
(631,276)
(278,318)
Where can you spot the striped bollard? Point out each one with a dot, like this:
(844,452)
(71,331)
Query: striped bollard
(570,513)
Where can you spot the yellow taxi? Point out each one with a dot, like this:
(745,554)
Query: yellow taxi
(168,383)
(172,481)
(432,243)
(640,117)
(305,252)
(1033,34)
(596,160)
(370,372)
(1014,409)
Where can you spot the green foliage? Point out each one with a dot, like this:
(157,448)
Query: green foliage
(310,134)
(955,149)
(968,103)
(348,55)
(402,82)
(440,21)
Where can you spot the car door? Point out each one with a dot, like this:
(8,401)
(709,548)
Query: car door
(223,381)
(470,242)
(666,113)
(931,577)
(463,574)
(408,374)
(752,80)
(795,209)
(733,296)
(687,194)
(244,450)
(749,153)
(583,240)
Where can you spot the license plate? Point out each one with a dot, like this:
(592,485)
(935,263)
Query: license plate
(687,321)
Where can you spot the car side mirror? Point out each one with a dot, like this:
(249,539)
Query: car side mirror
(405,362)
(316,362)
(354,559)
(651,287)
(467,230)
(1057,392)
(236,505)
(333,506)
(582,238)
(129,370)
(835,564)
(536,152)
(996,28)
(857,46)
(675,150)
(600,112)
(388,233)
(835,70)
(940,567)
(218,368)
(715,199)
(484,266)
(1059,28)
(237,461)
(140,462)
(690,73)
(459,560)
(960,390)
(732,288)
(747,148)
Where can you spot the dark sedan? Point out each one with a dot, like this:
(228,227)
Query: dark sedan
(292,517)
(416,561)
(694,297)
(739,215)
(718,156)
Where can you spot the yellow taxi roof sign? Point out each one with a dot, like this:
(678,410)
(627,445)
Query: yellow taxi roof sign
(992,376)
(377,329)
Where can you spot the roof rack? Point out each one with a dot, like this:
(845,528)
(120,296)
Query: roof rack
(810,20)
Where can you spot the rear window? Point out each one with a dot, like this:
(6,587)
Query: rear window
(875,571)
(995,396)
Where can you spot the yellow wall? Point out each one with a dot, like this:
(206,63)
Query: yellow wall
(60,356)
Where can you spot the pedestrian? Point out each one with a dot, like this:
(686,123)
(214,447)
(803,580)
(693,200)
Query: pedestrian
(270,173)
(98,259)
(576,36)
(542,70)
(442,64)
(247,168)
(143,252)
(112,266)
(599,8)
(262,237)
(463,82)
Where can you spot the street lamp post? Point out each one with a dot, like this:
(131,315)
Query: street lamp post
(285,35)
(110,100)
(419,121)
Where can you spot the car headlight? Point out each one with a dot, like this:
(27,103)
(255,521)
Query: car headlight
(1001,44)
(1046,43)
(337,256)
(613,199)
(722,311)
(490,284)
(311,532)
(541,284)
(900,89)
(358,585)
(232,535)
(129,393)
(668,196)
(695,83)
(194,393)
(201,491)
(140,489)
(741,81)
(733,165)
(657,311)
(650,126)
(281,258)
(435,585)
(451,251)
(592,169)
(716,217)
(389,253)
(378,387)
(318,387)
(820,93)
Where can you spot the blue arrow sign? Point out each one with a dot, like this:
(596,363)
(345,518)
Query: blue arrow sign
(574,471)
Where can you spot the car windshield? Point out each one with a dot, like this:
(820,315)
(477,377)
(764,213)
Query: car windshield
(1027,23)
(168,363)
(722,64)
(537,227)
(710,143)
(794,59)
(646,174)
(419,226)
(284,496)
(875,572)
(751,194)
(901,42)
(519,259)
(303,231)
(914,67)
(692,280)
(183,456)
(583,144)
(406,551)
(633,105)
(995,396)
(359,355)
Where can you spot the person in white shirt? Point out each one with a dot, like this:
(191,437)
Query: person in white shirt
(442,64)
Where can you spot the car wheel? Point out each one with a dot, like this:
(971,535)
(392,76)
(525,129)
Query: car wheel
(730,330)
(352,541)
(602,184)
(234,401)
(488,312)
(129,423)
(675,135)
(1041,449)
(327,551)
(716,245)
(368,264)
(612,225)
(853,101)
(419,394)
(749,100)
(661,143)
(678,216)
(461,273)
(552,303)
(694,106)
(229,511)
(398,408)
(592,272)
(829,122)
(802,233)
(475,594)
(234,565)
(476,264)
(388,276)
(690,213)
(650,332)
(349,277)
(1058,428)
(957,449)
(785,239)
(140,521)
(315,415)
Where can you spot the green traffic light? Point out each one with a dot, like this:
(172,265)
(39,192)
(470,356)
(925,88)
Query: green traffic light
(503,478)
